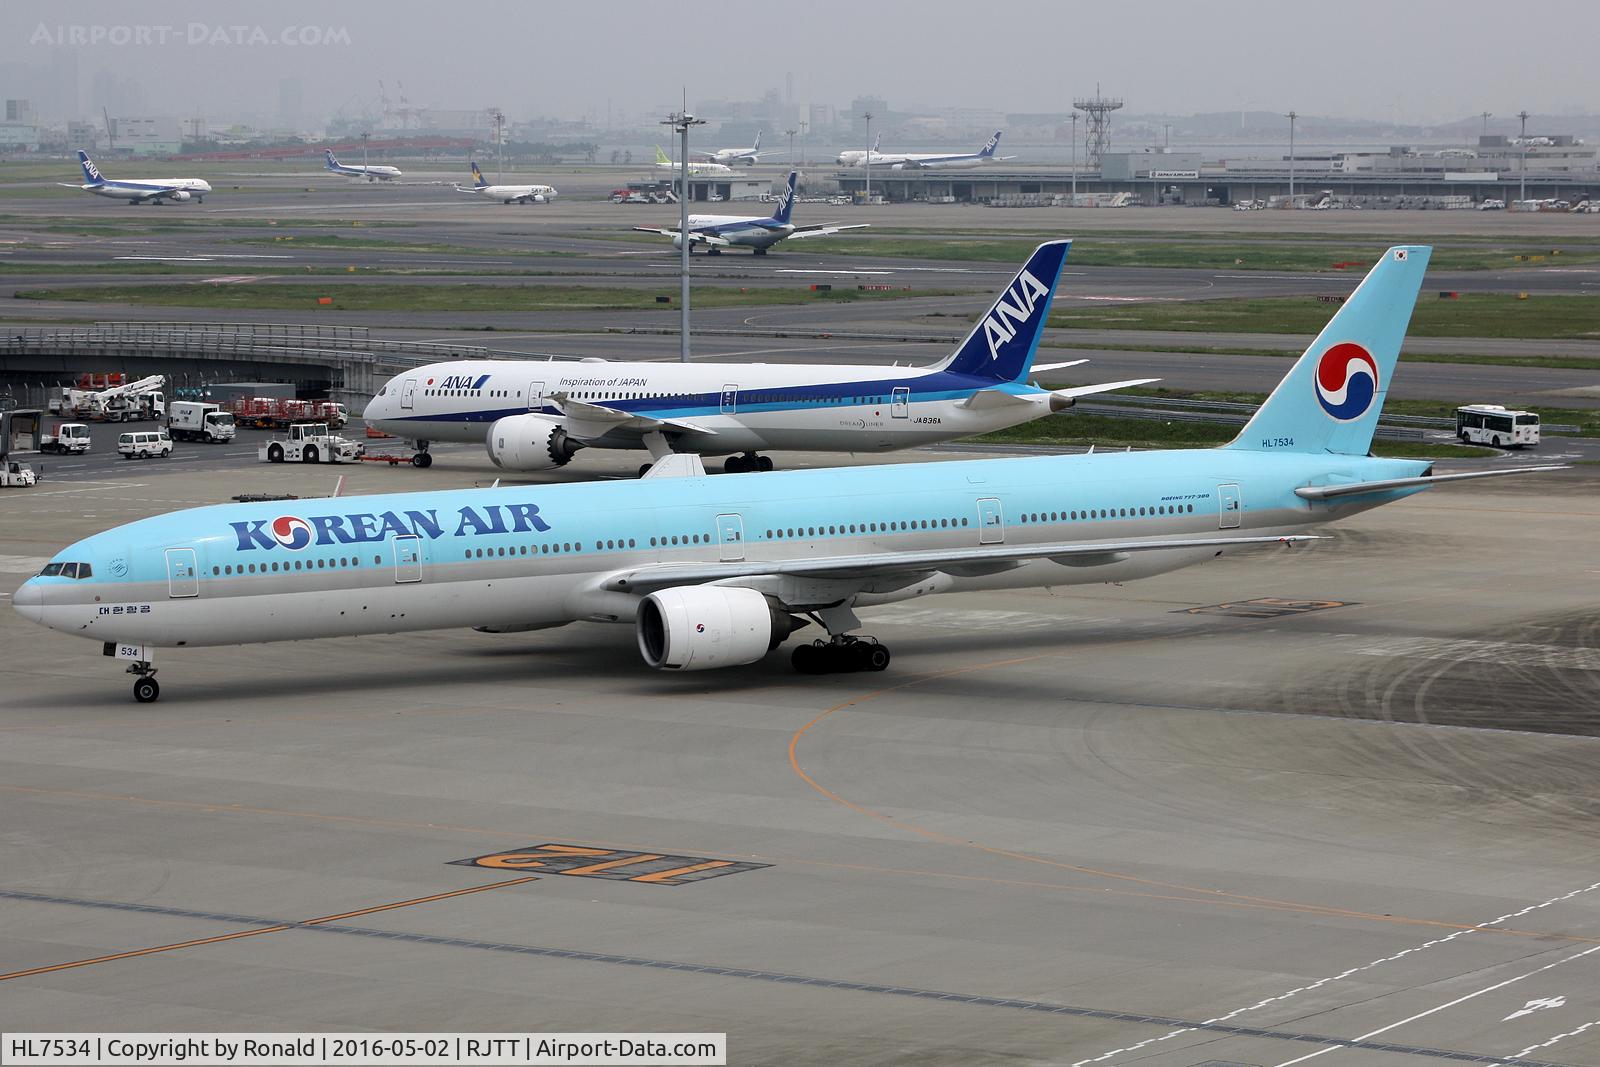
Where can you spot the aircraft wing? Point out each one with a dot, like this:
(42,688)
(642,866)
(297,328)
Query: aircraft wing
(1333,492)
(695,236)
(825,230)
(588,421)
(874,565)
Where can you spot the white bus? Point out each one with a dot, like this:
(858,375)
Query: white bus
(1491,424)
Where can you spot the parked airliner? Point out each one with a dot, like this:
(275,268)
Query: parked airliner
(755,232)
(717,572)
(664,162)
(534,416)
(853,157)
(929,160)
(374,173)
(749,155)
(510,194)
(138,190)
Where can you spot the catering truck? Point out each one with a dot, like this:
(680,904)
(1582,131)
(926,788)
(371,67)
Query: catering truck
(192,420)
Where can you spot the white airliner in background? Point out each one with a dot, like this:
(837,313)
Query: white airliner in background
(929,160)
(534,416)
(749,155)
(755,232)
(511,194)
(138,190)
(664,162)
(373,173)
(713,573)
(854,157)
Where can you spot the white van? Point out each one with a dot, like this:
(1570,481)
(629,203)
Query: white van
(143,444)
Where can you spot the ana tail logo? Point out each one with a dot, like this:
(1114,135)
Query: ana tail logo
(1025,295)
(291,532)
(1346,381)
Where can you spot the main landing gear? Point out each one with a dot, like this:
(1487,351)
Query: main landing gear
(145,687)
(842,652)
(747,463)
(423,458)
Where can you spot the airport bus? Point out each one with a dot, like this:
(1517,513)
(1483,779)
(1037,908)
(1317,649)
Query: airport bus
(1491,424)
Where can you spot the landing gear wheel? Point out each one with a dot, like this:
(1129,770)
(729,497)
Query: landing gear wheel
(876,657)
(146,690)
(275,454)
(735,465)
(764,462)
(809,659)
(644,469)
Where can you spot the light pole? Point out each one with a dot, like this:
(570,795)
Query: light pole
(1522,193)
(364,136)
(1074,159)
(803,125)
(868,197)
(499,118)
(791,132)
(1166,136)
(1292,117)
(681,122)
(1487,115)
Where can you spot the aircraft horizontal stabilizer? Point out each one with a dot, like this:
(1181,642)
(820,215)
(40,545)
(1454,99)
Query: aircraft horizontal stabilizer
(642,580)
(695,236)
(992,399)
(1062,399)
(1040,367)
(1331,492)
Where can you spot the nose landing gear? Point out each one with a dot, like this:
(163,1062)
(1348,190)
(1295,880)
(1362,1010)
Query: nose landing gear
(145,687)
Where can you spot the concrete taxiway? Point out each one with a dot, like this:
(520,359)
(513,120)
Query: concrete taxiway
(1337,798)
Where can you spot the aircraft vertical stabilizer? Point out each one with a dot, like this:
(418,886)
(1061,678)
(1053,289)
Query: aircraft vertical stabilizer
(1330,399)
(1001,347)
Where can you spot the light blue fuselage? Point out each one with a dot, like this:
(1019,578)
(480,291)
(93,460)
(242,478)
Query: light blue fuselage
(538,555)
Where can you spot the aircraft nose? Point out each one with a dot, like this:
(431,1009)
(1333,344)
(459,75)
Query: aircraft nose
(29,601)
(374,409)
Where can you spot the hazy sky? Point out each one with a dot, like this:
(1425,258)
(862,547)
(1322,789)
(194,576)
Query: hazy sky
(1392,60)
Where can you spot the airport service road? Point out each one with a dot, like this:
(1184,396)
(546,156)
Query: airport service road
(1239,813)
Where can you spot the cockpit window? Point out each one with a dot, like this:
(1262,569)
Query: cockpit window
(66,570)
(52,570)
(85,571)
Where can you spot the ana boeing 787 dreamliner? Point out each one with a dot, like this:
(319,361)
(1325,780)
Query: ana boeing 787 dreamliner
(718,571)
(534,416)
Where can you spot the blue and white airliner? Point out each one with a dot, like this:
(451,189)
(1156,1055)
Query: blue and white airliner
(374,173)
(755,232)
(715,572)
(138,190)
(751,155)
(536,415)
(926,160)
(510,194)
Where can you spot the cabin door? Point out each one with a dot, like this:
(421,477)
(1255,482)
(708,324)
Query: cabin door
(1230,507)
(408,395)
(183,573)
(900,402)
(730,399)
(730,535)
(407,558)
(535,396)
(991,522)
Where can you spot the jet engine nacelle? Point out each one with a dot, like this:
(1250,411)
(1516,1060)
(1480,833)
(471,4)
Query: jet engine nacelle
(529,443)
(180,195)
(699,628)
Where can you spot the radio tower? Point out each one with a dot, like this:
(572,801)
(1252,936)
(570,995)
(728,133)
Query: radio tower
(1097,127)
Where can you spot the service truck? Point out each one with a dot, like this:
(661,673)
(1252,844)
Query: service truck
(310,442)
(68,438)
(193,420)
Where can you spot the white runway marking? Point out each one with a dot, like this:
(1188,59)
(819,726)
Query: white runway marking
(801,270)
(1441,1007)
(1519,1054)
(1507,653)
(1342,975)
(88,489)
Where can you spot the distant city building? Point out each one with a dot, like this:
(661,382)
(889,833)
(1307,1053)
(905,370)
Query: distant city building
(149,136)
(83,135)
(20,111)
(289,102)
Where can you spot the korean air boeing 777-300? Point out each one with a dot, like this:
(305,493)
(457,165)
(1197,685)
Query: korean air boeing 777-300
(537,415)
(718,571)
